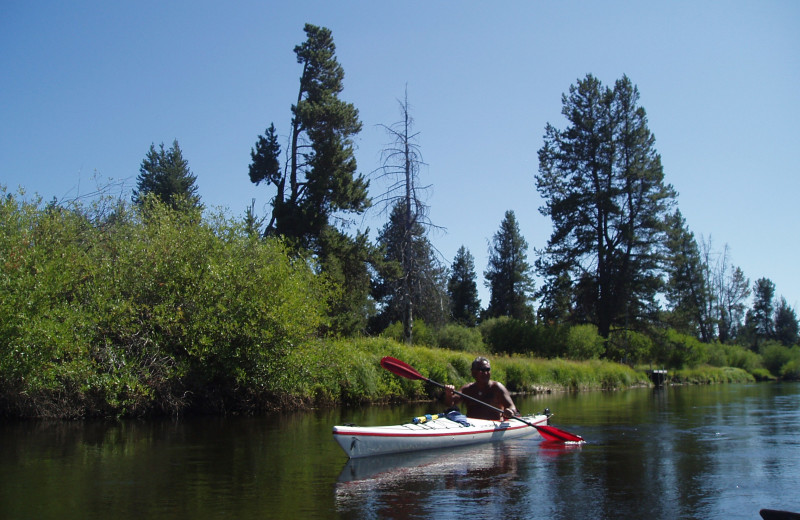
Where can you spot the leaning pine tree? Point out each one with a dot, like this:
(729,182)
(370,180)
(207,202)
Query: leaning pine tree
(317,186)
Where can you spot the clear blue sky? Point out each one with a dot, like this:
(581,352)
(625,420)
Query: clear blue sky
(86,87)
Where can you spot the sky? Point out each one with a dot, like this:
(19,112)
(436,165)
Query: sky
(86,87)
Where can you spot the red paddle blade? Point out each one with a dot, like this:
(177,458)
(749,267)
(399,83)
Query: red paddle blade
(551,433)
(398,368)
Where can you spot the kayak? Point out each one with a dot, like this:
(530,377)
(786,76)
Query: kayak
(430,432)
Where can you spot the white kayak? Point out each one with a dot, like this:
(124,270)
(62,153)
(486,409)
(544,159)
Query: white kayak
(429,432)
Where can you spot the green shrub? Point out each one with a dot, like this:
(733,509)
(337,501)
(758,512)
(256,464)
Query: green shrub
(791,370)
(628,346)
(144,309)
(421,334)
(676,350)
(774,356)
(506,335)
(459,337)
(583,342)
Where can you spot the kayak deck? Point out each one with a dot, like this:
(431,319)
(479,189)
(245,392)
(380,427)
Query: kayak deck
(433,433)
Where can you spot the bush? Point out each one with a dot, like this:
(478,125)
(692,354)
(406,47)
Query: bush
(774,356)
(583,342)
(144,309)
(628,346)
(676,350)
(506,335)
(421,334)
(459,337)
(791,370)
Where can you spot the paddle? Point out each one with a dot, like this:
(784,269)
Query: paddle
(550,433)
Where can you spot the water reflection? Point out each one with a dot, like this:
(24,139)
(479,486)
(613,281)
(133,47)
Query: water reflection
(723,451)
(412,485)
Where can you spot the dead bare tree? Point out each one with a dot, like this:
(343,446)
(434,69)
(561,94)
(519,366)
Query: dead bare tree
(400,166)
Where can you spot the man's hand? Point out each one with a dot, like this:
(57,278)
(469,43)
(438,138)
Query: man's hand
(508,413)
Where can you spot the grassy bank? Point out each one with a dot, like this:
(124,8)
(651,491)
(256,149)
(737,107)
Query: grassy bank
(348,372)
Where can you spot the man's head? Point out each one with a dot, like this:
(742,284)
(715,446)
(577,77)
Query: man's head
(481,364)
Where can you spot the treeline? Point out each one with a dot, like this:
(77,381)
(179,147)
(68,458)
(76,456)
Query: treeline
(118,309)
(157,306)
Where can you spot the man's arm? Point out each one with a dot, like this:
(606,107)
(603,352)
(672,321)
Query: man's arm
(509,410)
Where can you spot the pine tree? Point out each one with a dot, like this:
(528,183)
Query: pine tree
(319,178)
(508,274)
(687,290)
(166,174)
(786,326)
(317,187)
(463,289)
(410,276)
(760,317)
(603,186)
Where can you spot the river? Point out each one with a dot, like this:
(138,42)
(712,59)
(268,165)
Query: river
(722,451)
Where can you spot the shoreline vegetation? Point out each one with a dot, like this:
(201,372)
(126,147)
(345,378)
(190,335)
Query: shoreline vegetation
(114,311)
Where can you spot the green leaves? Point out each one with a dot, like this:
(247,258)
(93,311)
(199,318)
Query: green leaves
(153,310)
(603,186)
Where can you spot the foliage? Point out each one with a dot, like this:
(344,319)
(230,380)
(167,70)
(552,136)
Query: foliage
(786,326)
(711,375)
(407,248)
(345,262)
(759,319)
(458,337)
(319,178)
(675,350)
(583,342)
(505,335)
(410,277)
(423,333)
(166,174)
(463,289)
(687,290)
(775,356)
(146,310)
(508,275)
(791,370)
(630,347)
(603,186)
(348,371)
(318,187)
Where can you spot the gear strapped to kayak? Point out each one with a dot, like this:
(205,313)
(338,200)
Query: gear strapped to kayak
(452,415)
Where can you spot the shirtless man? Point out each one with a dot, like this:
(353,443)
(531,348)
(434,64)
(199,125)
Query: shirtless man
(483,389)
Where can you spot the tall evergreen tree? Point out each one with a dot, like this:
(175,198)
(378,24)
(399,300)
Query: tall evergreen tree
(603,186)
(508,275)
(165,174)
(319,178)
(687,290)
(317,187)
(463,289)
(786,326)
(408,273)
(760,317)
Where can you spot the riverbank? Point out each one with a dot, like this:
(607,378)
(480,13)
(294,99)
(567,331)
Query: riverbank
(348,372)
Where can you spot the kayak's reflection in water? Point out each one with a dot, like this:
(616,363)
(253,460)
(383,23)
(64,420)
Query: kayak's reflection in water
(406,485)
(485,457)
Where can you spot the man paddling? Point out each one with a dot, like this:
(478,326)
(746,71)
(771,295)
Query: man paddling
(483,389)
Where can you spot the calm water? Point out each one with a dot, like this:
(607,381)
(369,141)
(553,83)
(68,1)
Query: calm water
(721,451)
